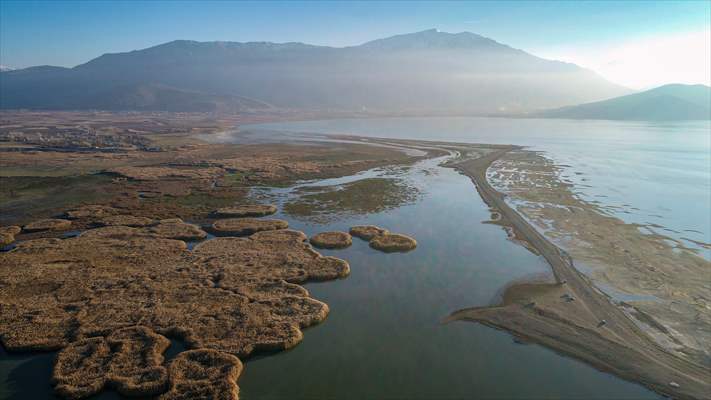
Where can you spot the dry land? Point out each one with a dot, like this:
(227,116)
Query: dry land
(663,285)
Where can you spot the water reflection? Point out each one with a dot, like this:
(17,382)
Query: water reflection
(384,337)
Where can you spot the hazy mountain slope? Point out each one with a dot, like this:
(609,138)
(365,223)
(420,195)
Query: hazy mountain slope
(669,102)
(427,71)
(163,98)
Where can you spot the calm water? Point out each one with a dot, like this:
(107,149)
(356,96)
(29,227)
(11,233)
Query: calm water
(646,173)
(384,337)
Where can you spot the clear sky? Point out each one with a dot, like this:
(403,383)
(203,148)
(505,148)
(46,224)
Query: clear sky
(634,43)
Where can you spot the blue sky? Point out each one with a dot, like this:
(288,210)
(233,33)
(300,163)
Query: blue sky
(68,33)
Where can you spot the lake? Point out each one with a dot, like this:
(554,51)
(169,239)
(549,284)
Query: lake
(384,337)
(651,173)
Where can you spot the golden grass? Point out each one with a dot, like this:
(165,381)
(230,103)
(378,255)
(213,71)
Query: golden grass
(125,220)
(367,232)
(247,226)
(108,296)
(7,234)
(331,240)
(248,210)
(129,360)
(393,242)
(50,224)
(204,374)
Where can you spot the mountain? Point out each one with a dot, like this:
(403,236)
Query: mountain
(665,103)
(151,97)
(426,72)
(5,68)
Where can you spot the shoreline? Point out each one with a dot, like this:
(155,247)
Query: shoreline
(535,311)
(590,328)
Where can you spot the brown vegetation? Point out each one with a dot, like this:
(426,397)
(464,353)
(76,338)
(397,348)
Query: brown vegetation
(367,232)
(125,220)
(331,240)
(393,242)
(50,224)
(91,212)
(203,374)
(177,229)
(82,292)
(157,173)
(247,210)
(129,360)
(246,226)
(7,234)
(109,298)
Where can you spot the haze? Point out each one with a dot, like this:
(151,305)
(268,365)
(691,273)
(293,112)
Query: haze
(355,200)
(634,44)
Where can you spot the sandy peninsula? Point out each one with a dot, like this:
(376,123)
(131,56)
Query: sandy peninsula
(573,317)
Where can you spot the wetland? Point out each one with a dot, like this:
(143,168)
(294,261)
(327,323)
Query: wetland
(342,322)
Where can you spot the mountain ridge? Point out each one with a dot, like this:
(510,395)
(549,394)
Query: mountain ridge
(664,103)
(427,71)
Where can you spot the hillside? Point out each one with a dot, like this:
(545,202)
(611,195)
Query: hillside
(665,103)
(428,71)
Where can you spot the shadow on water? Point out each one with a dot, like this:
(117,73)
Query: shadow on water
(26,376)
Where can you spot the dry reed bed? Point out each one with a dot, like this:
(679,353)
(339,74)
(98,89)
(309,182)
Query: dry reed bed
(383,240)
(7,234)
(246,226)
(331,240)
(241,211)
(109,297)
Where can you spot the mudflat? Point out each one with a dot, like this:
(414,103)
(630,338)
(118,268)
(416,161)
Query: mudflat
(662,284)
